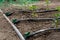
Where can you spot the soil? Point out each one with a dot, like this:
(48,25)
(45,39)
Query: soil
(7,32)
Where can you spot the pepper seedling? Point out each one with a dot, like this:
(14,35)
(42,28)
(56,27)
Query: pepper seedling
(15,21)
(8,13)
(33,7)
(56,19)
(58,8)
(57,16)
(47,3)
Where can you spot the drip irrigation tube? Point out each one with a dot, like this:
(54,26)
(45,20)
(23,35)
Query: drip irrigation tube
(43,31)
(16,21)
(14,27)
(34,19)
(37,11)
(32,34)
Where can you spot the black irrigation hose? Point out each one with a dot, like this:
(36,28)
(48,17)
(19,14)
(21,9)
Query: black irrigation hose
(37,11)
(43,31)
(37,19)
(16,21)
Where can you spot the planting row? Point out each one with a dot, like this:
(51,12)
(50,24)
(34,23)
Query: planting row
(25,24)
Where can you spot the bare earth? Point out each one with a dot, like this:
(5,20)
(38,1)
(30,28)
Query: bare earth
(7,32)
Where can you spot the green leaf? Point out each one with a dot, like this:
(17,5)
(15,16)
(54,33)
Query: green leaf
(32,7)
(57,15)
(47,1)
(58,8)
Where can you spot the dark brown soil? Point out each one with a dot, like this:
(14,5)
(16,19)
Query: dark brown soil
(7,32)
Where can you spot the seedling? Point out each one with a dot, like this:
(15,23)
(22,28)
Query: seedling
(33,7)
(47,3)
(58,8)
(15,21)
(8,13)
(57,16)
(56,20)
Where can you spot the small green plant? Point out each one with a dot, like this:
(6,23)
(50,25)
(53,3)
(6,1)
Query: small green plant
(58,8)
(57,16)
(56,19)
(47,4)
(33,7)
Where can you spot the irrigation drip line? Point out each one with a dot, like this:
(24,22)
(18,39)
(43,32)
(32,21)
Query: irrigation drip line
(37,11)
(43,31)
(15,28)
(16,21)
(37,19)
